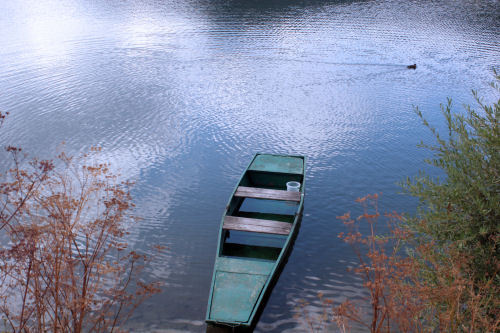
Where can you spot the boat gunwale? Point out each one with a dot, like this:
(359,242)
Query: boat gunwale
(277,263)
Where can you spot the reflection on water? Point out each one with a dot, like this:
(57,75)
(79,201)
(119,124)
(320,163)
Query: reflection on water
(181,94)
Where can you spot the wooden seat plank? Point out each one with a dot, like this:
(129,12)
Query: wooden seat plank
(264,193)
(256,225)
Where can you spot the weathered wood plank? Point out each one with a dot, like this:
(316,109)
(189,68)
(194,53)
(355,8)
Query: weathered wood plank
(256,225)
(264,193)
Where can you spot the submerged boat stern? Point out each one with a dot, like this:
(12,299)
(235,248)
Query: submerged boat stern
(238,284)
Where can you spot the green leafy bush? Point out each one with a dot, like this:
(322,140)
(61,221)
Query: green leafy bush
(464,207)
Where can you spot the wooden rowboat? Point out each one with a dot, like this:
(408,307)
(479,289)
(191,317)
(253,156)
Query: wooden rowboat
(257,229)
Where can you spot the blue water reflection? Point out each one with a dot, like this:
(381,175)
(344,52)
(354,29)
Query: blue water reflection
(181,94)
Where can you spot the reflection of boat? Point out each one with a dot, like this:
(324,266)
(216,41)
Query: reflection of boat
(257,229)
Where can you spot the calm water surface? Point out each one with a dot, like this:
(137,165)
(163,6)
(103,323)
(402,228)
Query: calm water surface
(181,94)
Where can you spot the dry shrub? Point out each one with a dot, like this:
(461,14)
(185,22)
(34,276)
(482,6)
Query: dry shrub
(64,262)
(413,285)
(422,289)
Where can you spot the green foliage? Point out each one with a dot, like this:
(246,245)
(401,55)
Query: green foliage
(464,208)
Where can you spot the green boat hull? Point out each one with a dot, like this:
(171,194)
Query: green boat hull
(257,230)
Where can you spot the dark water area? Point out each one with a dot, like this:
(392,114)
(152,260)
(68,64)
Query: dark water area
(181,94)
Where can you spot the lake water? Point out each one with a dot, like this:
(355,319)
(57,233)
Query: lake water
(181,94)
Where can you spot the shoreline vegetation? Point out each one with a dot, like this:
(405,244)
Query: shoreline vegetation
(438,270)
(64,261)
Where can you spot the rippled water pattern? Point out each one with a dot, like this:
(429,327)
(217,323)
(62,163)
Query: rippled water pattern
(181,94)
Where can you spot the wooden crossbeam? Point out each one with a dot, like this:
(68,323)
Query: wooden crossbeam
(256,225)
(264,193)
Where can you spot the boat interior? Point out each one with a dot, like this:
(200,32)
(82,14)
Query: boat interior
(259,218)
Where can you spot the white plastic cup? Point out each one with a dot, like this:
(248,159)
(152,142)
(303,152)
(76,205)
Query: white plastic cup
(293,186)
